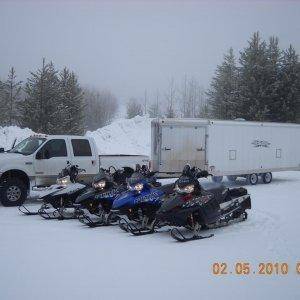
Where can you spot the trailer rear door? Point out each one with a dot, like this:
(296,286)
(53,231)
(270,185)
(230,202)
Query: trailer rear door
(181,145)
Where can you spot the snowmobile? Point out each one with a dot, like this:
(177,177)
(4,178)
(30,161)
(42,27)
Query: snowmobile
(58,199)
(93,206)
(195,209)
(138,205)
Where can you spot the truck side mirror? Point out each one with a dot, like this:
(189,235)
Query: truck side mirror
(202,174)
(1,150)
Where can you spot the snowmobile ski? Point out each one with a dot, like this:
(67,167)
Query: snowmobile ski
(140,230)
(180,237)
(48,214)
(24,210)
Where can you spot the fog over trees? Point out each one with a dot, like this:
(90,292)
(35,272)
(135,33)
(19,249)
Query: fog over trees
(260,83)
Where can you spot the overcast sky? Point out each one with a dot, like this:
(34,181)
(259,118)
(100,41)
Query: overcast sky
(130,46)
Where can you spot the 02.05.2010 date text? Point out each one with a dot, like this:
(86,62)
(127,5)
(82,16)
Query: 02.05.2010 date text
(263,268)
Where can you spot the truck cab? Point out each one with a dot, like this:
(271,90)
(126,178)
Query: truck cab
(37,160)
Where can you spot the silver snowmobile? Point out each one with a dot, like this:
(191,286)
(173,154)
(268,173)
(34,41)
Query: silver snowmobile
(58,199)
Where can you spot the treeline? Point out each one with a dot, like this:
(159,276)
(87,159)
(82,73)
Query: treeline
(263,84)
(53,102)
(187,99)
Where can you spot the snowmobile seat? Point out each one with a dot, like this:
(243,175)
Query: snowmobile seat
(220,192)
(238,192)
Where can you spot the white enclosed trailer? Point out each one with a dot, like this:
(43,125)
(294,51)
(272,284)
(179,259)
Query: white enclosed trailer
(231,148)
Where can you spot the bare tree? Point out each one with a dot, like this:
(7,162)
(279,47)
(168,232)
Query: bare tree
(100,108)
(170,99)
(191,98)
(134,108)
(154,110)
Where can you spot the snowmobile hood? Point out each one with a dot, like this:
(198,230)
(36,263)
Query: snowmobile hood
(124,199)
(170,203)
(59,190)
(89,194)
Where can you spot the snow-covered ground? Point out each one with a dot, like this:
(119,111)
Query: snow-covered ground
(42,259)
(123,136)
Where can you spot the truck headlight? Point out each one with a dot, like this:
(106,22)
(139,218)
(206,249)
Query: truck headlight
(63,181)
(100,184)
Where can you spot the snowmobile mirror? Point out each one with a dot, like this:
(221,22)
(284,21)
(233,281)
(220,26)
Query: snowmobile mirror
(186,169)
(1,150)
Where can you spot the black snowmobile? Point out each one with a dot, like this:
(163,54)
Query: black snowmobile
(58,199)
(93,206)
(195,209)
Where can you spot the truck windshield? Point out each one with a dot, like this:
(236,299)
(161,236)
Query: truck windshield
(28,146)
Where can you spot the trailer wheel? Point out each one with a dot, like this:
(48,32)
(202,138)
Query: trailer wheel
(217,179)
(13,193)
(232,178)
(267,177)
(253,178)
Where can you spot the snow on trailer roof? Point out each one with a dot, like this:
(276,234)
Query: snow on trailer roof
(197,121)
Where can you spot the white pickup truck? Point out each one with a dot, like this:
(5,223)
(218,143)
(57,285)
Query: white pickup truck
(37,160)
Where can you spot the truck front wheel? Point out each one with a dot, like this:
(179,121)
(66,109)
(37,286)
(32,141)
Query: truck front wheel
(13,192)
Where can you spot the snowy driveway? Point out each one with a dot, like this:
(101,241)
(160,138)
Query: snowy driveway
(42,259)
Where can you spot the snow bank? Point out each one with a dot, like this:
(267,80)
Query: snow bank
(9,133)
(124,136)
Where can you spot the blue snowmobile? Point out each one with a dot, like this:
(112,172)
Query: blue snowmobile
(139,204)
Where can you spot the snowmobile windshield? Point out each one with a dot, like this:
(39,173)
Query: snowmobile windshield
(185,185)
(135,178)
(100,176)
(28,146)
(100,181)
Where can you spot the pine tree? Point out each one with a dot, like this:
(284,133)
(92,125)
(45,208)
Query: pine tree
(272,80)
(288,109)
(3,105)
(10,97)
(223,95)
(253,83)
(38,110)
(70,115)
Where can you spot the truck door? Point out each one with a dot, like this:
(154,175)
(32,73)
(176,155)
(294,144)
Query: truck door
(50,160)
(182,145)
(85,157)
